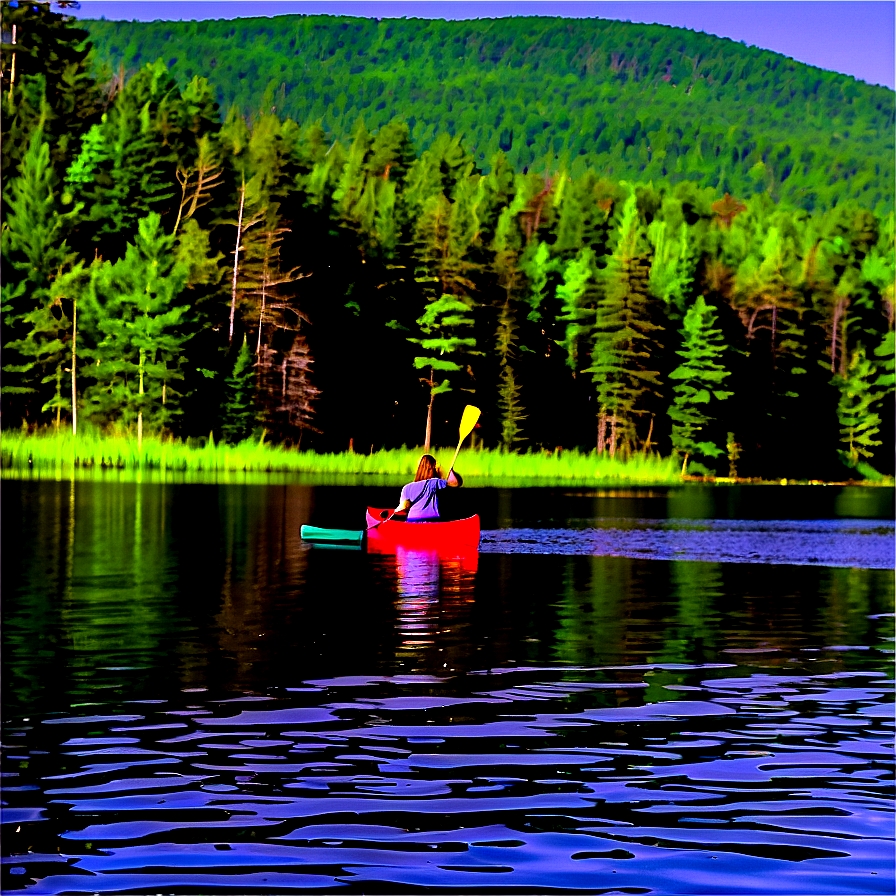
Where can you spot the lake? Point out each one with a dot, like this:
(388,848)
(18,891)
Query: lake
(669,691)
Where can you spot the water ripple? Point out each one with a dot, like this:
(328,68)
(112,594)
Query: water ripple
(539,780)
(851,543)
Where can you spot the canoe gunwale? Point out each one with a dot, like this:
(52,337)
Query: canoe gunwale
(431,533)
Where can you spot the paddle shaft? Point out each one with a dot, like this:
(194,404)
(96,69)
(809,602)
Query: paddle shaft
(467,424)
(386,520)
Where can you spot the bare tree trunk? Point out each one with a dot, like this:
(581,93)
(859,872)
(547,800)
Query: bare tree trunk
(183,196)
(74,360)
(260,321)
(649,434)
(844,358)
(774,331)
(839,310)
(236,258)
(601,433)
(140,412)
(613,436)
(428,440)
(12,75)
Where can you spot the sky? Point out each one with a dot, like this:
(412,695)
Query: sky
(853,37)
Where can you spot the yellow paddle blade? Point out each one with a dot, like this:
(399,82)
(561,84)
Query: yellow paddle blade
(468,420)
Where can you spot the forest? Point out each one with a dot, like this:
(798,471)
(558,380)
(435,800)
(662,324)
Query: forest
(174,264)
(633,102)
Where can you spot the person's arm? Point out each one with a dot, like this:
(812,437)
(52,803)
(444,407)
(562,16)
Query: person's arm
(454,479)
(403,506)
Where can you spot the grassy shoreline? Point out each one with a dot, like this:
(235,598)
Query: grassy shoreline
(62,454)
(48,450)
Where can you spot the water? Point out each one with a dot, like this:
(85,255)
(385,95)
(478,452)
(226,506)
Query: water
(196,701)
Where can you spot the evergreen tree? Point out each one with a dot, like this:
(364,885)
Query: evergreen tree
(444,343)
(697,388)
(624,345)
(577,294)
(139,332)
(35,253)
(48,82)
(509,405)
(126,168)
(238,413)
(506,246)
(858,423)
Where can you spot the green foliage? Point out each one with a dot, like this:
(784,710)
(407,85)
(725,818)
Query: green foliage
(858,423)
(509,405)
(639,102)
(624,337)
(698,387)
(238,414)
(443,323)
(139,331)
(36,322)
(577,294)
(45,60)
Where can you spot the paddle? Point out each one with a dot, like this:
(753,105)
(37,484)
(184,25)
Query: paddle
(385,519)
(467,423)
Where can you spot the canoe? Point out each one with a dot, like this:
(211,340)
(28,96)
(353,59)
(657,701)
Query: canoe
(421,535)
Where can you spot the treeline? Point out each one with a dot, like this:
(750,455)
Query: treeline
(167,270)
(634,102)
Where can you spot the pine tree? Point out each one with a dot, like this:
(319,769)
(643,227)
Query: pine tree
(672,268)
(238,414)
(698,382)
(506,246)
(126,167)
(858,423)
(444,325)
(139,332)
(509,404)
(578,296)
(624,344)
(48,82)
(35,253)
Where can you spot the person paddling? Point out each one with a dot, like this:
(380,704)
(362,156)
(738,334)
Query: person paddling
(420,498)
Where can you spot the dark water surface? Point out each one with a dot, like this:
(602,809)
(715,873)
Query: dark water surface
(195,701)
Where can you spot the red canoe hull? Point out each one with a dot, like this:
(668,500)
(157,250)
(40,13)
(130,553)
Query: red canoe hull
(446,533)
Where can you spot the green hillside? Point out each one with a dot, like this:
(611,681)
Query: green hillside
(645,102)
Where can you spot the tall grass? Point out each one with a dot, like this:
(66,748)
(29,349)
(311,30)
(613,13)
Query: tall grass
(91,450)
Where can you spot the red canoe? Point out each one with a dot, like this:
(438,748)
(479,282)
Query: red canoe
(421,535)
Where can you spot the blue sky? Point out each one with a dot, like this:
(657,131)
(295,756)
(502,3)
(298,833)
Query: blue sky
(855,37)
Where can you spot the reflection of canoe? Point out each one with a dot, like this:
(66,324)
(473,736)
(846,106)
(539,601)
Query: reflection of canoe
(452,559)
(439,535)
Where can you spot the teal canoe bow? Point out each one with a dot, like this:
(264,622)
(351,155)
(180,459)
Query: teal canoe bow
(333,537)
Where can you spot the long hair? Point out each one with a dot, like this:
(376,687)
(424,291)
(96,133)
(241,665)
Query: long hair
(426,468)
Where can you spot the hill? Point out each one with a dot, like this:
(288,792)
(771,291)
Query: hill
(631,101)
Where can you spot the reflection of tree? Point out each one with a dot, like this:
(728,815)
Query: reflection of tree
(695,587)
(591,618)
